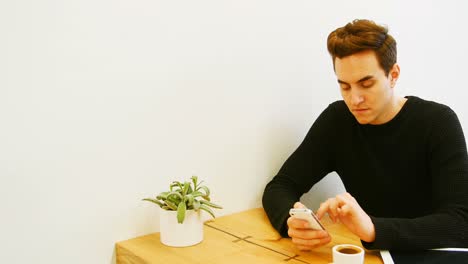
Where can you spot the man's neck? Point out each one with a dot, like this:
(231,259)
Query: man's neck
(397,105)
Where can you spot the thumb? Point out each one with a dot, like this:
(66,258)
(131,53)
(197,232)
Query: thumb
(299,205)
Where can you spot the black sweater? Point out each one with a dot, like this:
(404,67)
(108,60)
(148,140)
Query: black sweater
(409,174)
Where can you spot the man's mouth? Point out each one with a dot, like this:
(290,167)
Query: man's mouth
(360,110)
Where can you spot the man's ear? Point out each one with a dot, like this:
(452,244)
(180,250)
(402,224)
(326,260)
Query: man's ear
(394,74)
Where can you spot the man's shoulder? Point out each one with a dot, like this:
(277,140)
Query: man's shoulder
(338,106)
(339,110)
(427,106)
(430,113)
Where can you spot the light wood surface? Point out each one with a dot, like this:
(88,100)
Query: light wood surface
(245,237)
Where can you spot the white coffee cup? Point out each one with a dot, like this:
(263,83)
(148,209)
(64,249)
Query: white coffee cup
(348,254)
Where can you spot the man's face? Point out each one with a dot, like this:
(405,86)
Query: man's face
(365,88)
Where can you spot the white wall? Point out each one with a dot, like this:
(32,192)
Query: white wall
(105,102)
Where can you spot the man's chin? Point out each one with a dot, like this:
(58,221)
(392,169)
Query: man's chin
(362,121)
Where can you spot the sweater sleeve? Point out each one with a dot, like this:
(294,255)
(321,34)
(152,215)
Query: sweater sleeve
(308,164)
(447,224)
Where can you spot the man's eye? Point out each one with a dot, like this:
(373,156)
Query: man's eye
(367,83)
(345,87)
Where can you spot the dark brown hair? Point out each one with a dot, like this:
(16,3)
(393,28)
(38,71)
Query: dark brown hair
(361,35)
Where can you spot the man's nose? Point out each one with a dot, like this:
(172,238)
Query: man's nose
(356,97)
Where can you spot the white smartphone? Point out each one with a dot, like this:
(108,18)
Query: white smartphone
(308,215)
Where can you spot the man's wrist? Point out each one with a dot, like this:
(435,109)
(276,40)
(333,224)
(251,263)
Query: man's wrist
(369,237)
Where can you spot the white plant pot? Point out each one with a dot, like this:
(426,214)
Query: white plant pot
(173,234)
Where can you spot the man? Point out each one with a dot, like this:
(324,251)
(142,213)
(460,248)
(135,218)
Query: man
(403,160)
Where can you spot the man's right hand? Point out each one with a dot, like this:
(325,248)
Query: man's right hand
(303,236)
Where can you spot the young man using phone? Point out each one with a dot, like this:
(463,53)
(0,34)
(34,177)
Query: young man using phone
(403,160)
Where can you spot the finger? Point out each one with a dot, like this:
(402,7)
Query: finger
(307,244)
(349,196)
(333,209)
(342,198)
(346,198)
(293,222)
(322,209)
(303,248)
(307,233)
(345,210)
(348,203)
(326,207)
(299,205)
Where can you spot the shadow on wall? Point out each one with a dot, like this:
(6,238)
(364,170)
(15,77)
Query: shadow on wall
(329,186)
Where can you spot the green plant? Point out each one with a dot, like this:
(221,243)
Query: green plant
(190,195)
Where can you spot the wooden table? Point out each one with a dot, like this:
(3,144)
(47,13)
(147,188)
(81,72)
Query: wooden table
(245,237)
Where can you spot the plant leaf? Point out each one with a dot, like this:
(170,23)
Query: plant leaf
(175,184)
(171,205)
(154,201)
(176,194)
(194,180)
(206,189)
(211,204)
(174,200)
(162,196)
(190,190)
(196,205)
(181,213)
(189,199)
(199,185)
(207,209)
(186,187)
(197,194)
